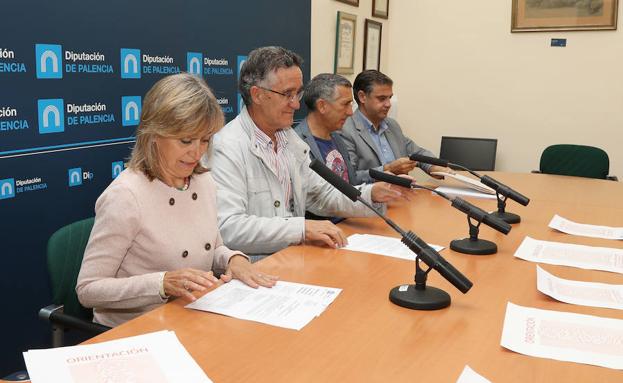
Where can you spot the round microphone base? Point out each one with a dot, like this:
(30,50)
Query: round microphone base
(430,298)
(507,217)
(474,247)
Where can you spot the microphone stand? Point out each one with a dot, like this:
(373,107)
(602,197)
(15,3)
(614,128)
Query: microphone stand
(501,192)
(417,296)
(472,245)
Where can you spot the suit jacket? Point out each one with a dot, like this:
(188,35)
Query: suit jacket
(364,153)
(302,129)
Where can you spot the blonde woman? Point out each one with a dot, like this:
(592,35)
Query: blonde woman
(155,234)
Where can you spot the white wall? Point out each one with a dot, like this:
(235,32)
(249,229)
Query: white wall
(323,20)
(459,71)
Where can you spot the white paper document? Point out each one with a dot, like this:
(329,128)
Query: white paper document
(566,254)
(287,304)
(470,376)
(158,357)
(466,181)
(464,192)
(382,245)
(562,224)
(563,336)
(580,293)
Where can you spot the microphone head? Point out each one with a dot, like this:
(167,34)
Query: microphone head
(497,224)
(390,178)
(428,160)
(327,174)
(504,190)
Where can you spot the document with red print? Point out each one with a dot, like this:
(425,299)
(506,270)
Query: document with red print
(566,226)
(580,293)
(563,336)
(566,254)
(157,357)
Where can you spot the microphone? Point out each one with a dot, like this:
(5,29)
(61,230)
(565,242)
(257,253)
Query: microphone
(471,210)
(429,160)
(418,297)
(347,189)
(505,190)
(499,187)
(390,178)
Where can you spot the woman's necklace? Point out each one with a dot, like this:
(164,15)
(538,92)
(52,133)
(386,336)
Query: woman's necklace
(186,184)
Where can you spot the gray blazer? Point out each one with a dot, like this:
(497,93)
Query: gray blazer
(302,129)
(363,152)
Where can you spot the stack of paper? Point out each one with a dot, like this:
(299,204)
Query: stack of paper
(157,357)
(378,244)
(562,224)
(565,254)
(464,192)
(466,181)
(287,304)
(563,336)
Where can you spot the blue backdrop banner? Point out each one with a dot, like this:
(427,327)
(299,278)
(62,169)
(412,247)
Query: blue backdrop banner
(72,77)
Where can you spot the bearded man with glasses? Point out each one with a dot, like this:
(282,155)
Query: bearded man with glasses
(261,167)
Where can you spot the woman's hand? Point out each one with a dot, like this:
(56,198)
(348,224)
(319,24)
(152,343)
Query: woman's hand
(181,283)
(240,268)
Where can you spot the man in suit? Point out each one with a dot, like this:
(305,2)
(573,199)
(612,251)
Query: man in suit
(374,140)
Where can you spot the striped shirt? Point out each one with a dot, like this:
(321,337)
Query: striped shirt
(277,161)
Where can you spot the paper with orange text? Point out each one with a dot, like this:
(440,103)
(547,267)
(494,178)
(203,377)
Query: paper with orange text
(563,336)
(157,357)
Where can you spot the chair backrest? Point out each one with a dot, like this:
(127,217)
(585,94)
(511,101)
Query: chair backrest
(473,153)
(575,160)
(65,251)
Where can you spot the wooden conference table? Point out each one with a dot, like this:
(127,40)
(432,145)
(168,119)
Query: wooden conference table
(363,337)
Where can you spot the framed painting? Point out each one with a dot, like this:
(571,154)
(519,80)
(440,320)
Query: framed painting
(563,15)
(380,8)
(351,2)
(345,43)
(372,45)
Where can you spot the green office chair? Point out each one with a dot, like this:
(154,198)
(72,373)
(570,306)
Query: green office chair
(65,251)
(576,160)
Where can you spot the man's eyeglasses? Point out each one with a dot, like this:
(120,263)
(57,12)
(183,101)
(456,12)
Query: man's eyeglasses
(290,96)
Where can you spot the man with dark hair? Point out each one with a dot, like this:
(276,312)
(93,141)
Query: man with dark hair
(374,140)
(261,166)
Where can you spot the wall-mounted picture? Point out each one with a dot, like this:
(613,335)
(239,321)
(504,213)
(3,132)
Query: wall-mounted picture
(351,2)
(345,43)
(563,15)
(372,45)
(380,8)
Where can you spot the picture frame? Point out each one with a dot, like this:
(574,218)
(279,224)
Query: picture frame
(372,44)
(345,38)
(563,15)
(380,8)
(351,2)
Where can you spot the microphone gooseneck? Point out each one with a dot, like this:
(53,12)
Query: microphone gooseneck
(423,251)
(458,203)
(502,191)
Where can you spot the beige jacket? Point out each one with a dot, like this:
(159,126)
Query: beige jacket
(142,229)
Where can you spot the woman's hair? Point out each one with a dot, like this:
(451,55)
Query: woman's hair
(177,106)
